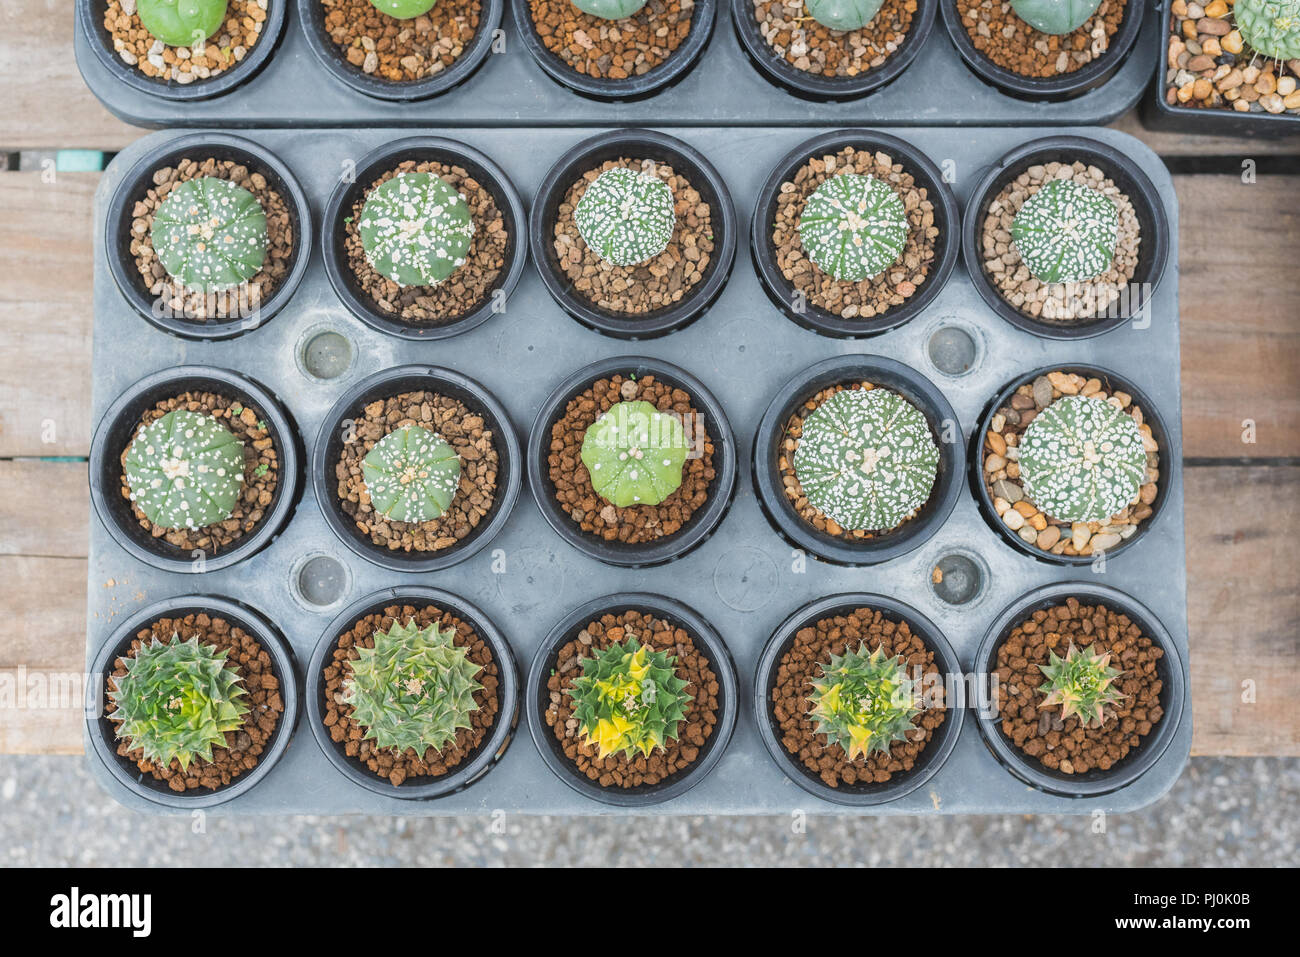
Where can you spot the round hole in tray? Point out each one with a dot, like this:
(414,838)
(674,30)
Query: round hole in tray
(953,349)
(325,353)
(963,578)
(320,581)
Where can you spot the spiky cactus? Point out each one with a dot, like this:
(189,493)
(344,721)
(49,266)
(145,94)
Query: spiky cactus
(176,700)
(626,216)
(414,689)
(1082,684)
(610,9)
(210,234)
(843,14)
(864,702)
(1270,27)
(415,229)
(1066,232)
(411,475)
(634,454)
(403,9)
(853,227)
(181,23)
(185,470)
(629,699)
(1055,16)
(866,458)
(1082,459)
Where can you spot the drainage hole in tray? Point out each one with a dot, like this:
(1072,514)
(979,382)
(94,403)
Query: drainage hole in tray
(957,579)
(321,580)
(326,355)
(953,350)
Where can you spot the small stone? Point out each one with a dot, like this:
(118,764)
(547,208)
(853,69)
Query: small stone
(1048,537)
(1103,541)
(1007,491)
(1079,535)
(1014,520)
(1042,392)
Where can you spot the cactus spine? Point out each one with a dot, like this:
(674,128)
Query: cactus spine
(411,475)
(181,23)
(1055,16)
(1270,27)
(185,470)
(634,454)
(629,699)
(1082,683)
(210,234)
(864,702)
(415,229)
(853,227)
(626,216)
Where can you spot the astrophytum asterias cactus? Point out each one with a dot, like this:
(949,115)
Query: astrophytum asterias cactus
(853,227)
(411,475)
(1082,683)
(610,9)
(416,229)
(843,14)
(864,702)
(210,234)
(866,459)
(185,470)
(403,9)
(626,216)
(629,699)
(1082,459)
(1270,27)
(181,23)
(1055,16)
(634,454)
(1066,232)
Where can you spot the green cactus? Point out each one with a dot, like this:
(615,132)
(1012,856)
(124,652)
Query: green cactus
(185,470)
(210,234)
(853,227)
(629,699)
(626,216)
(864,702)
(176,700)
(413,689)
(1055,16)
(1082,459)
(416,229)
(843,14)
(411,475)
(634,454)
(1066,232)
(866,459)
(1082,683)
(403,9)
(181,23)
(1270,27)
(610,9)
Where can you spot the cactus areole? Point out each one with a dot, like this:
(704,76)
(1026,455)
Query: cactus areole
(1066,232)
(403,9)
(629,699)
(1082,684)
(1056,17)
(185,470)
(864,702)
(411,475)
(1270,27)
(626,216)
(181,23)
(210,234)
(634,454)
(610,9)
(415,229)
(843,14)
(853,227)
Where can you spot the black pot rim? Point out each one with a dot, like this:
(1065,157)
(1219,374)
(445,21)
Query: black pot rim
(104,466)
(703,635)
(509,475)
(100,732)
(702,175)
(811,86)
(780,290)
(883,548)
(666,74)
(941,744)
(493,178)
(1169,462)
(1096,782)
(701,525)
(490,749)
(1144,197)
(121,264)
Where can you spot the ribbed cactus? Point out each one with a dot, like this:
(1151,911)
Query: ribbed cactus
(185,470)
(843,14)
(864,702)
(634,454)
(1082,684)
(1270,27)
(210,234)
(176,700)
(415,229)
(1066,232)
(411,475)
(629,700)
(610,9)
(853,227)
(1055,16)
(413,689)
(626,216)
(181,23)
(403,9)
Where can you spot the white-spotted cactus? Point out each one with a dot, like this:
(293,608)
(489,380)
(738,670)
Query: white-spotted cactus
(210,234)
(181,23)
(403,9)
(1270,27)
(634,454)
(416,229)
(185,470)
(864,702)
(626,216)
(1082,684)
(843,14)
(1055,16)
(853,227)
(411,475)
(1066,232)
(629,699)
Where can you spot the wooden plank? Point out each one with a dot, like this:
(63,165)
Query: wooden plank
(28,724)
(44,625)
(1200,144)
(62,531)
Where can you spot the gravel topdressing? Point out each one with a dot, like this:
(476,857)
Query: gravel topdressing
(808,45)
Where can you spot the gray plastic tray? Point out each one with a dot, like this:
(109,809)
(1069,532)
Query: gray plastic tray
(741,578)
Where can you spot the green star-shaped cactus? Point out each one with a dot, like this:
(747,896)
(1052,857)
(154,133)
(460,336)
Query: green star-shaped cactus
(634,454)
(853,227)
(185,470)
(210,234)
(411,475)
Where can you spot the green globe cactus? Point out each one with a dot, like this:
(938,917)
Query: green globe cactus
(176,700)
(414,689)
(634,454)
(629,699)
(181,23)
(185,470)
(416,229)
(1270,27)
(1057,17)
(1082,684)
(411,475)
(853,227)
(864,702)
(626,216)
(866,459)
(1066,232)
(610,9)
(210,234)
(843,14)
(403,9)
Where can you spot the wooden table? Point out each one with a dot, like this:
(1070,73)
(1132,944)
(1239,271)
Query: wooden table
(1240,296)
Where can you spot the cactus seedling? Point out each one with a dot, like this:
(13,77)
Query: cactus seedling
(185,470)
(1270,27)
(843,14)
(864,702)
(1082,683)
(853,227)
(411,475)
(634,454)
(210,234)
(610,9)
(403,9)
(629,699)
(181,23)
(1055,16)
(626,216)
(1066,232)
(415,229)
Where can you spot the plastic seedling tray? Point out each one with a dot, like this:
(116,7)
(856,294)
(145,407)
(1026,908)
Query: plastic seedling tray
(745,579)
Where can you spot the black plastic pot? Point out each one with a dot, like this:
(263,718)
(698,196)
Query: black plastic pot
(103,738)
(91,16)
(634,144)
(1170,461)
(1095,782)
(1153,251)
(382,385)
(861,794)
(489,751)
(879,371)
(781,291)
(814,86)
(666,74)
(702,523)
(705,638)
(114,432)
(1047,89)
(347,193)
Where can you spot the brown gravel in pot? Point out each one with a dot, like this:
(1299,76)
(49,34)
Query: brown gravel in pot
(401,50)
(137,47)
(262,687)
(693,732)
(464,290)
(261,471)
(798,667)
(1067,746)
(1209,65)
(870,297)
(1014,45)
(397,767)
(612,49)
(464,430)
(808,45)
(635,524)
